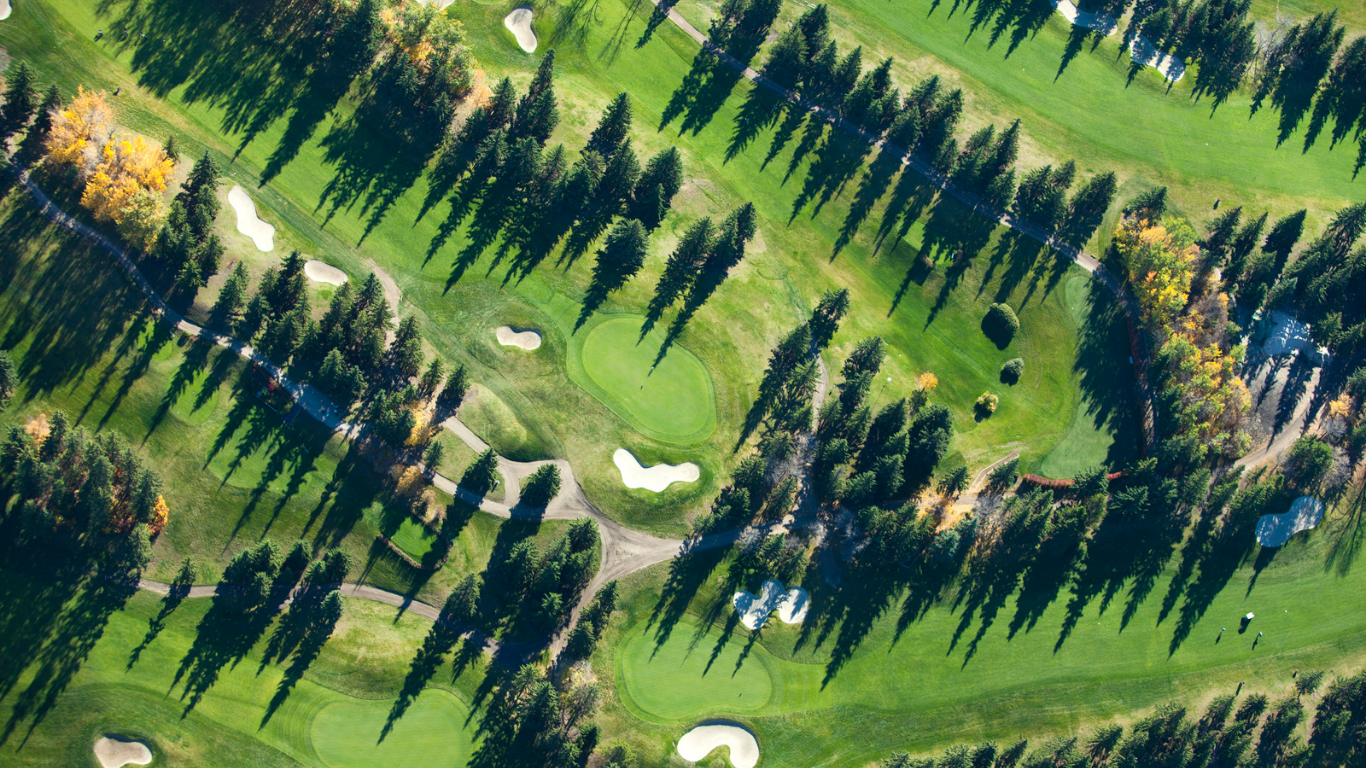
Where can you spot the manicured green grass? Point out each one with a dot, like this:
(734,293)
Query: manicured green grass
(673,402)
(929,321)
(332,718)
(342,733)
(848,687)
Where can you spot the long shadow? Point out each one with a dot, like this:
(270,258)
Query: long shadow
(872,186)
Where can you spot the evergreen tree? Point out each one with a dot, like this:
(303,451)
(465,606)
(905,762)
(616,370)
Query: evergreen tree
(618,181)
(9,378)
(454,391)
(654,193)
(683,265)
(32,146)
(227,310)
(482,474)
(431,379)
(787,61)
(619,259)
(405,354)
(825,319)
(537,113)
(815,29)
(21,99)
(612,129)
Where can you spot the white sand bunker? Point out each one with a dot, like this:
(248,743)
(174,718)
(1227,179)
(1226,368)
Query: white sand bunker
(116,751)
(791,605)
(1286,335)
(700,741)
(1103,23)
(511,337)
(655,478)
(4,9)
(519,23)
(1144,52)
(322,272)
(247,222)
(1275,530)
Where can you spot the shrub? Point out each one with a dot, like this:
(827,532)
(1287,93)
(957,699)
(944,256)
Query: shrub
(1012,370)
(986,404)
(1000,324)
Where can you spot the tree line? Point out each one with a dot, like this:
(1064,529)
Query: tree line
(1251,731)
(924,122)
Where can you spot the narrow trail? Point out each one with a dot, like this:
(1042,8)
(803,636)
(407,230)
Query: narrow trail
(1083,259)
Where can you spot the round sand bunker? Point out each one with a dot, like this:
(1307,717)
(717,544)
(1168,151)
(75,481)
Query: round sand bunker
(700,741)
(791,604)
(655,478)
(4,9)
(116,751)
(519,24)
(322,272)
(248,223)
(511,337)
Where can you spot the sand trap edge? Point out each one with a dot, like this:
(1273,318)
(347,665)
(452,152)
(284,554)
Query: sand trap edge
(322,272)
(525,338)
(114,751)
(705,738)
(518,22)
(248,223)
(655,478)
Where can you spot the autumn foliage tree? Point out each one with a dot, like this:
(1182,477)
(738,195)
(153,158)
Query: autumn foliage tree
(80,130)
(126,188)
(1161,261)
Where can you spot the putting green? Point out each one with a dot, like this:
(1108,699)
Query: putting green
(675,402)
(431,733)
(680,679)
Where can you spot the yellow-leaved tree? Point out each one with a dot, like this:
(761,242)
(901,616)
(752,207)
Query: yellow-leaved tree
(1161,261)
(126,187)
(159,514)
(80,130)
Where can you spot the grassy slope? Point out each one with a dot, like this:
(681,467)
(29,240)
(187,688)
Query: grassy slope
(331,719)
(949,678)
(234,473)
(787,269)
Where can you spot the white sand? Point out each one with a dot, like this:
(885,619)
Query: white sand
(511,337)
(441,5)
(655,478)
(115,751)
(1100,22)
(1145,52)
(700,741)
(4,9)
(247,222)
(1289,336)
(322,272)
(754,611)
(519,23)
(1275,530)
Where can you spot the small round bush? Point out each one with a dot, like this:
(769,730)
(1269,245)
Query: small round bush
(1012,370)
(986,404)
(1001,324)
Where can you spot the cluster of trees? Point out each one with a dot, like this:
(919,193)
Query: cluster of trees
(546,586)
(806,60)
(422,73)
(257,578)
(536,199)
(1199,360)
(1327,284)
(188,243)
(69,488)
(1215,34)
(592,621)
(1231,731)
(122,179)
(539,719)
(1344,425)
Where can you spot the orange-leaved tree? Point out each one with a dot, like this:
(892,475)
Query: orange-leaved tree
(80,130)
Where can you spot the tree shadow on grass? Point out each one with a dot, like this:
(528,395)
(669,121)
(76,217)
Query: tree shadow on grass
(54,610)
(687,574)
